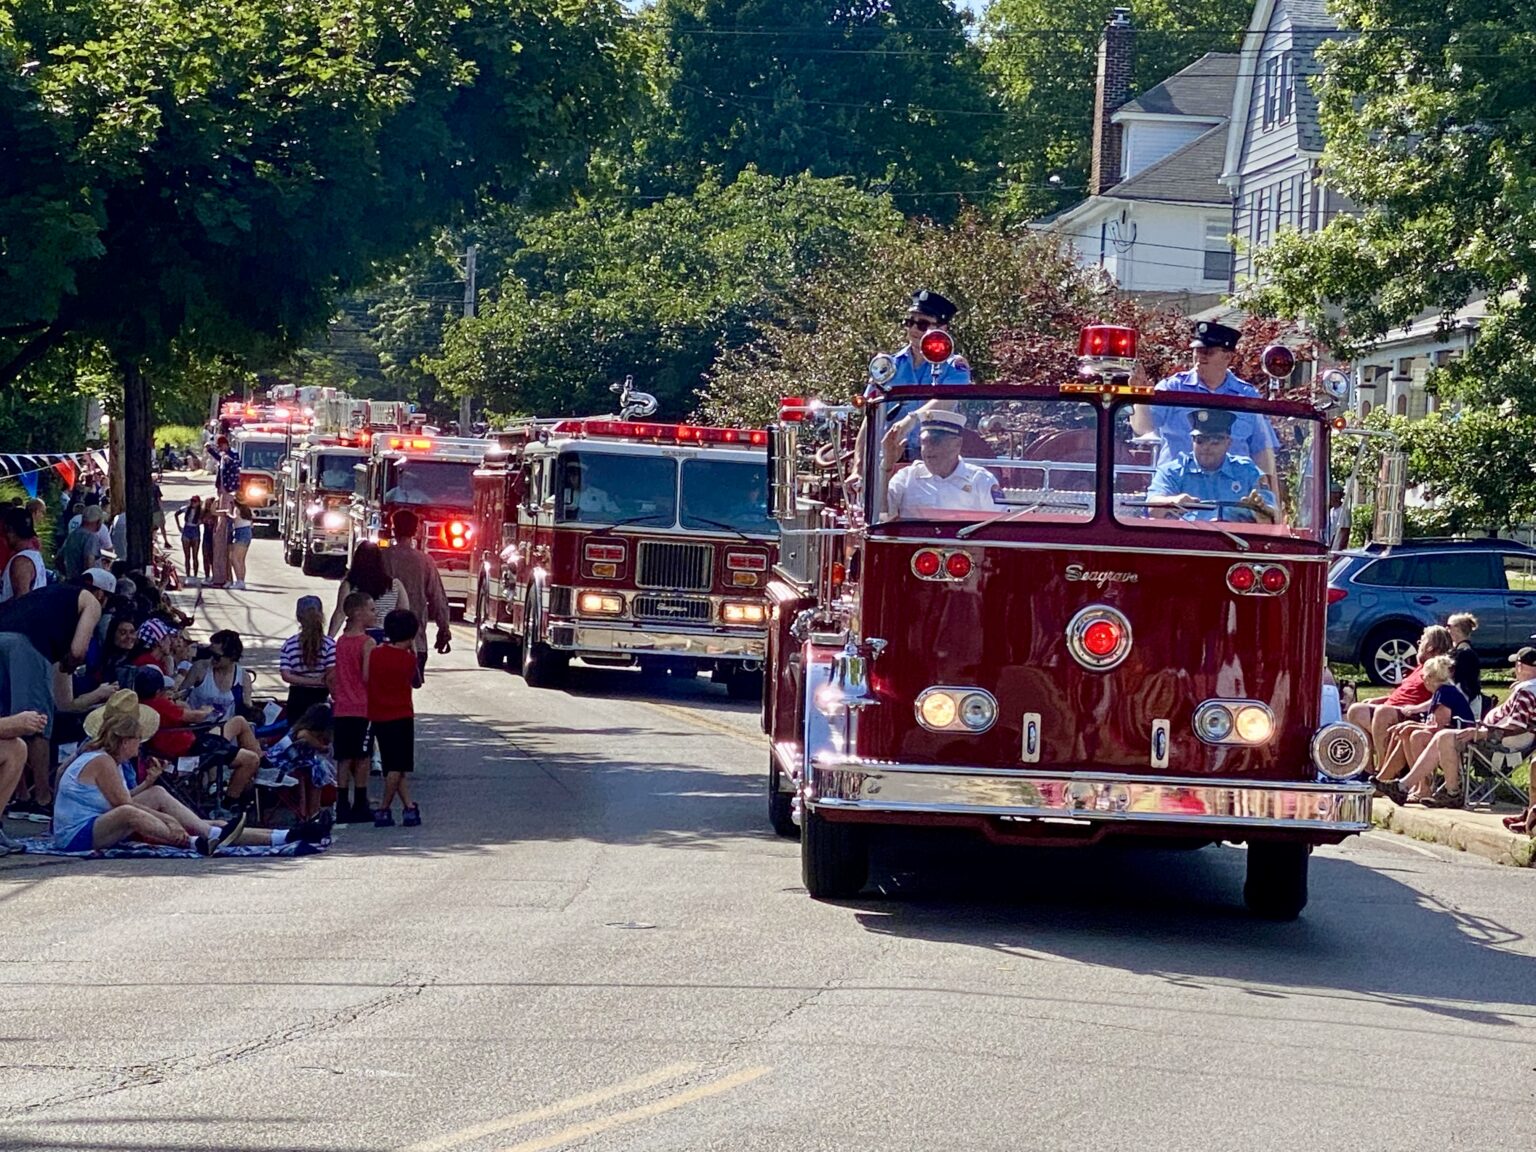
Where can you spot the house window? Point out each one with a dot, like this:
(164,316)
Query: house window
(1285,205)
(1402,403)
(1279,90)
(1262,210)
(1287,88)
(1218,251)
(1304,202)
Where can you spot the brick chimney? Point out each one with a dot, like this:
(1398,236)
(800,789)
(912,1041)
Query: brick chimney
(1112,88)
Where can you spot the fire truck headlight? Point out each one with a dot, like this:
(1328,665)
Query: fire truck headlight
(333,521)
(600,603)
(936,709)
(1340,751)
(1213,723)
(1254,724)
(315,509)
(1234,722)
(255,491)
(956,710)
(742,613)
(977,711)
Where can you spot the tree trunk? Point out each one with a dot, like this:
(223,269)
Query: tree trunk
(138,439)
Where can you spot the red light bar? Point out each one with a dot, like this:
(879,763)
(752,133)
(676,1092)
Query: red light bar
(412,445)
(792,410)
(612,553)
(746,562)
(682,433)
(1107,341)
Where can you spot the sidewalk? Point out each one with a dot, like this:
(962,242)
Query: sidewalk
(1480,833)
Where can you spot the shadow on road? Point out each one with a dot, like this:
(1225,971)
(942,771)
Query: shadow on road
(1366,934)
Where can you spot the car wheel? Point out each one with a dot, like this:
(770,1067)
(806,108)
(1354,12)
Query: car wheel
(1390,654)
(543,667)
(834,857)
(489,653)
(1276,887)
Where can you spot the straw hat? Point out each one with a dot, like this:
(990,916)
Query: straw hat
(120,714)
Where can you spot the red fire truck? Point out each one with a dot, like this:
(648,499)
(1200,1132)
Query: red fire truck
(624,542)
(431,476)
(261,448)
(1123,639)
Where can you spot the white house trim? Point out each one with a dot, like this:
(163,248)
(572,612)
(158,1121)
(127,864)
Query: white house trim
(1242,95)
(1163,118)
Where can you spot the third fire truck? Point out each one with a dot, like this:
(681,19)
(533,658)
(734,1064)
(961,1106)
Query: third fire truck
(315,492)
(261,449)
(431,476)
(1103,650)
(625,541)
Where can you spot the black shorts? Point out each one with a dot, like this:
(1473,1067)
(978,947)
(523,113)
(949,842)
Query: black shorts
(354,741)
(213,750)
(397,744)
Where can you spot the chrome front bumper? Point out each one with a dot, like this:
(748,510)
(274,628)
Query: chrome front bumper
(328,544)
(844,784)
(628,640)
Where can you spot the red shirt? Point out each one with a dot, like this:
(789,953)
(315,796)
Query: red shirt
(170,745)
(1410,691)
(391,676)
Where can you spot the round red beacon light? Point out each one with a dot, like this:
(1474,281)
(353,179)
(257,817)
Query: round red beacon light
(1241,578)
(958,565)
(937,345)
(926,563)
(1101,638)
(1279,361)
(1274,579)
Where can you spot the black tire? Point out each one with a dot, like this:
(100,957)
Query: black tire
(834,858)
(781,804)
(310,565)
(543,667)
(489,653)
(1388,652)
(292,556)
(1276,886)
(744,686)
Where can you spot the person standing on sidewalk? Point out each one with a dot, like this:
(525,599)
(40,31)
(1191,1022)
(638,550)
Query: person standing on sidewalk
(391,669)
(411,565)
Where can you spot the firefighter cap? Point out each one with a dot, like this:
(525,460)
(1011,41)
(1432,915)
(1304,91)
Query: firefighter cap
(932,304)
(1209,334)
(942,420)
(1212,421)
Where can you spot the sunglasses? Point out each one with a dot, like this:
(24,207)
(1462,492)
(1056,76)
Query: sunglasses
(922,324)
(1208,437)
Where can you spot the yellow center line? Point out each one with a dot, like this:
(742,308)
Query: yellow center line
(550,1111)
(644,1112)
(691,716)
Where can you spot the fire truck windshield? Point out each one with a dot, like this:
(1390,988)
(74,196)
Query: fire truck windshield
(730,494)
(335,473)
(606,487)
(429,482)
(261,455)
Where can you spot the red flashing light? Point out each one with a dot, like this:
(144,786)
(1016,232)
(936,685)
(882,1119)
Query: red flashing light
(1278,361)
(1101,638)
(1241,578)
(937,346)
(927,563)
(746,562)
(792,410)
(958,565)
(611,553)
(1107,341)
(682,433)
(1336,594)
(456,534)
(1274,580)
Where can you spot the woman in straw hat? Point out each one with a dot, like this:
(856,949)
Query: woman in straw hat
(97,808)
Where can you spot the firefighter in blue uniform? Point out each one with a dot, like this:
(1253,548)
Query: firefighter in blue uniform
(1208,482)
(1213,347)
(928,310)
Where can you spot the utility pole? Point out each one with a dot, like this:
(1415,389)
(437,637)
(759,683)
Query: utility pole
(466,415)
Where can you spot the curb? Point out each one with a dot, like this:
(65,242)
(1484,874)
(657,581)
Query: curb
(1475,832)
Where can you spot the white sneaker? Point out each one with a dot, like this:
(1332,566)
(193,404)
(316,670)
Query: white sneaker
(239,585)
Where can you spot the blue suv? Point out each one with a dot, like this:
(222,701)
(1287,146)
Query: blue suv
(1380,599)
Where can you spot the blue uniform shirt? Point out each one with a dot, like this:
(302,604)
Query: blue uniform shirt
(1251,433)
(1236,477)
(910,371)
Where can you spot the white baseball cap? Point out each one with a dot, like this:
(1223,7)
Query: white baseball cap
(102,579)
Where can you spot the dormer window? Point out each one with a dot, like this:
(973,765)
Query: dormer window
(1279,90)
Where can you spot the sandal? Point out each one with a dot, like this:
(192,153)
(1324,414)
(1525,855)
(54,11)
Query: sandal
(1446,800)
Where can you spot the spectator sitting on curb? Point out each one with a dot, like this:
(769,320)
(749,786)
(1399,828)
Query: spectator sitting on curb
(96,808)
(305,753)
(1410,698)
(229,744)
(1448,708)
(14,731)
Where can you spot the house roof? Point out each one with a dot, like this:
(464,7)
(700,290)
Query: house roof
(1191,175)
(1203,89)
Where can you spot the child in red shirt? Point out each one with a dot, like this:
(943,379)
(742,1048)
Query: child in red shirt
(390,669)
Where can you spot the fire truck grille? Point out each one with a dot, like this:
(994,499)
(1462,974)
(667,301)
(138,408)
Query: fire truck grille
(694,609)
(684,567)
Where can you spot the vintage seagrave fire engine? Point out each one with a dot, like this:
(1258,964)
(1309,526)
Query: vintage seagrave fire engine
(624,541)
(261,448)
(430,475)
(1097,652)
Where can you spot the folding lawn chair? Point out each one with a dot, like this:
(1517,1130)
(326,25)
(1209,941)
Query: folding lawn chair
(1488,768)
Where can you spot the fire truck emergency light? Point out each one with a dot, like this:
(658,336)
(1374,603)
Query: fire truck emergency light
(682,433)
(456,534)
(1107,342)
(409,444)
(936,346)
(1278,361)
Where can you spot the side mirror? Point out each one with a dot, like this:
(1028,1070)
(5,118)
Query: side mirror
(783,451)
(1391,491)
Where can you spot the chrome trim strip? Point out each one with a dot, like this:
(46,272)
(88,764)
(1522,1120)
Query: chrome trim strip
(851,784)
(1038,546)
(624,640)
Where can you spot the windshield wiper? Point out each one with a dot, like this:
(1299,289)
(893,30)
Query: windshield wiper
(719,524)
(1012,513)
(606,528)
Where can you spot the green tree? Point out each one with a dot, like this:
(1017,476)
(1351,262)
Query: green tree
(887,92)
(1041,60)
(244,165)
(603,291)
(1431,131)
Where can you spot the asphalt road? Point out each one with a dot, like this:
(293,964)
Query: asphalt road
(595,942)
